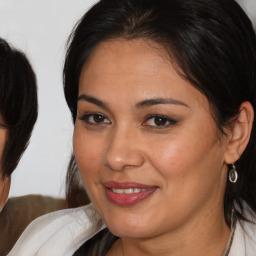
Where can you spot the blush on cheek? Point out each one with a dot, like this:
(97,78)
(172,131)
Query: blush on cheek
(172,160)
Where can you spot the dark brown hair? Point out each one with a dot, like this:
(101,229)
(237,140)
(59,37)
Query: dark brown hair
(18,104)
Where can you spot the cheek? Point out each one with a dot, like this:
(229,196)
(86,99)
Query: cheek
(171,156)
(192,171)
(3,138)
(84,147)
(88,153)
(182,155)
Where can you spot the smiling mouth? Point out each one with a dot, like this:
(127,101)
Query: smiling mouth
(127,193)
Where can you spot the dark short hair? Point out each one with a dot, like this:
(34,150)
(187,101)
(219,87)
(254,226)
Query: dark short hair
(212,44)
(18,104)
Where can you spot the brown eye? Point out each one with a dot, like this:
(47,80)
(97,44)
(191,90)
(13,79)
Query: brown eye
(98,118)
(95,119)
(159,122)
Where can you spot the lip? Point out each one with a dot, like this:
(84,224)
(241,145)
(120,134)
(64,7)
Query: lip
(128,199)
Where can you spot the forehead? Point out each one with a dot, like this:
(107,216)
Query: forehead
(138,67)
(132,58)
(141,56)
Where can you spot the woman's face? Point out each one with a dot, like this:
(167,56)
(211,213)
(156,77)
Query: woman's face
(149,153)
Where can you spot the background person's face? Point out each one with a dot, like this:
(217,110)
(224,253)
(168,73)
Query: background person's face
(145,142)
(4,184)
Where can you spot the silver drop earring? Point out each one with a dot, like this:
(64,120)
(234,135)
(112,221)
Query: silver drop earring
(233,175)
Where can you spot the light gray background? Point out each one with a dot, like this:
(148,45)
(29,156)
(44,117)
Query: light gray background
(40,28)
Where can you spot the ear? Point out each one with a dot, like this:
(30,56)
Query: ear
(4,191)
(240,133)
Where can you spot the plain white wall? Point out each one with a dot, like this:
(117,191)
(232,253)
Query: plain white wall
(250,8)
(40,28)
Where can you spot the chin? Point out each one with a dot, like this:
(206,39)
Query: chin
(129,232)
(130,226)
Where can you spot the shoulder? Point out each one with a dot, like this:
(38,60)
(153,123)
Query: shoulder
(244,242)
(59,233)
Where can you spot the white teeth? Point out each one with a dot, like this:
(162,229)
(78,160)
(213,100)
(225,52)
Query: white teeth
(127,190)
(136,190)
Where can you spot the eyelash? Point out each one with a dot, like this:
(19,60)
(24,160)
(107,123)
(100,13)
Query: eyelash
(166,121)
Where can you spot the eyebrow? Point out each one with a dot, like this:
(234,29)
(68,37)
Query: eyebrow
(93,100)
(158,101)
(142,104)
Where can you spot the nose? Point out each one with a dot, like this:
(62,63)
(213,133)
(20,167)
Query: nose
(124,150)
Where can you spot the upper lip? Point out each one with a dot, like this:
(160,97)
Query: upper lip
(126,184)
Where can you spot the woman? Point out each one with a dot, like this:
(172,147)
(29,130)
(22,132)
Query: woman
(18,111)
(162,95)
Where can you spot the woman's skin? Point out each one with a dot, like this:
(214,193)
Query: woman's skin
(141,126)
(4,183)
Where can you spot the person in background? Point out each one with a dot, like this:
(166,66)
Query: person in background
(18,111)
(162,95)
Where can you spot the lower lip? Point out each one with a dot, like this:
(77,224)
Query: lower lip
(128,199)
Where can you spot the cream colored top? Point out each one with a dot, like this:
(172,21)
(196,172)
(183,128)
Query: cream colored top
(61,233)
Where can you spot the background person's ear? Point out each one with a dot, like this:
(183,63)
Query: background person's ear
(4,191)
(240,133)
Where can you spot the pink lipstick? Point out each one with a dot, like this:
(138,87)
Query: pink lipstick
(127,193)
